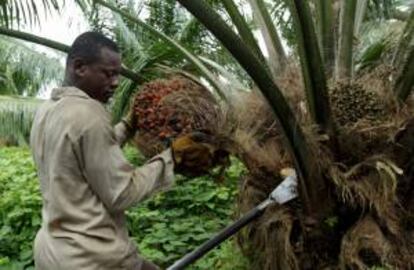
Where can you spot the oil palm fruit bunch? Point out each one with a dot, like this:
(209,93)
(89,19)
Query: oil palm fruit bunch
(168,108)
(351,103)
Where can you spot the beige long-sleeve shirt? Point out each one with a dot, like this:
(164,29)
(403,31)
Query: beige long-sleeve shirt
(86,185)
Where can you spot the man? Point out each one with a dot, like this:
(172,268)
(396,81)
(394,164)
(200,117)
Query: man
(86,182)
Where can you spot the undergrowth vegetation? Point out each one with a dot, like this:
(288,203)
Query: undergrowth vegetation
(165,227)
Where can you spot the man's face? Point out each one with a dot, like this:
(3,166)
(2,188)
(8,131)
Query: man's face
(100,79)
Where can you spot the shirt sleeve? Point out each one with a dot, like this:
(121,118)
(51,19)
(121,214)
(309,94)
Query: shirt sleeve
(116,182)
(121,133)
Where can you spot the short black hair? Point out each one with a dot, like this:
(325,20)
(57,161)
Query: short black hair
(88,47)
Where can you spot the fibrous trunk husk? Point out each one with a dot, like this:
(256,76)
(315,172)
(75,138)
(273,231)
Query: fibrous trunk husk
(370,174)
(275,226)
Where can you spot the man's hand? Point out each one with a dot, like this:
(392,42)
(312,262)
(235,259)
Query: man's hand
(193,154)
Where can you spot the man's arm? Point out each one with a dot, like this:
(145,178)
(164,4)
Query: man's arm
(122,132)
(126,128)
(117,183)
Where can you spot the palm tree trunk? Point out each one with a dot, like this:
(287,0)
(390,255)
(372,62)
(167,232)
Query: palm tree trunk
(277,56)
(346,38)
(309,186)
(404,43)
(326,30)
(59,47)
(312,67)
(405,82)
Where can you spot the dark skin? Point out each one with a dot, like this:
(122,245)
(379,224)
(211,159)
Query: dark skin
(98,79)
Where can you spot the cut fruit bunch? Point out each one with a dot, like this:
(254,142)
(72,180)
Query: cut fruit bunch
(168,108)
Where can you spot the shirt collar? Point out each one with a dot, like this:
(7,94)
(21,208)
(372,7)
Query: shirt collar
(61,92)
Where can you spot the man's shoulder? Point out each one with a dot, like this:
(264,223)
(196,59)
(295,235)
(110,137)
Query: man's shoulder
(82,113)
(72,111)
(75,101)
(78,107)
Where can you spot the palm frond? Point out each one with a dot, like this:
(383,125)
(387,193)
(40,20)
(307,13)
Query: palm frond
(344,64)
(57,46)
(233,82)
(376,43)
(130,41)
(242,27)
(312,68)
(279,11)
(277,56)
(381,9)
(371,54)
(361,9)
(193,59)
(29,68)
(125,91)
(16,117)
(164,16)
(405,81)
(406,38)
(325,21)
(27,12)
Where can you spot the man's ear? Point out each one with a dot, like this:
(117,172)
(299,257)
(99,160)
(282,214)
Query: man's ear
(79,67)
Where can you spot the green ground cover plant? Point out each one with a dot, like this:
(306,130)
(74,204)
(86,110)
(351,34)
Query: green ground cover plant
(165,227)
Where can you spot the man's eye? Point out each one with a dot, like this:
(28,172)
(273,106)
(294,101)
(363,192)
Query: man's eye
(112,74)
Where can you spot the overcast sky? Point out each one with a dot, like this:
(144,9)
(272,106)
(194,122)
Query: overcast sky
(64,27)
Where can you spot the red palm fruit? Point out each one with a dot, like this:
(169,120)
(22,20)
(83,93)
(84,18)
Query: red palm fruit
(163,111)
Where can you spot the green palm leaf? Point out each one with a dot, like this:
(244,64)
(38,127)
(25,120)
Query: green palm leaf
(26,69)
(27,12)
(57,46)
(242,27)
(312,68)
(16,117)
(277,56)
(179,48)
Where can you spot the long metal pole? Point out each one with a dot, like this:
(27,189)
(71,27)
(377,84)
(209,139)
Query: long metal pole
(220,237)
